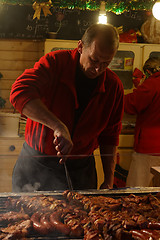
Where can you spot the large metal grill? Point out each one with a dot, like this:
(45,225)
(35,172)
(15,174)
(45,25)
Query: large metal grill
(111,193)
(32,235)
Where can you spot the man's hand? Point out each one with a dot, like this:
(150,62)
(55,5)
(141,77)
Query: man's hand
(62,141)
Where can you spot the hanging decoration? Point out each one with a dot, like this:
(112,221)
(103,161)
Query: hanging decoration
(129,36)
(115,6)
(150,30)
(38,6)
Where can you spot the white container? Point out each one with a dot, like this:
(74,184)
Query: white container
(9,124)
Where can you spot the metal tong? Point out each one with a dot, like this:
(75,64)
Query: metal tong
(68,178)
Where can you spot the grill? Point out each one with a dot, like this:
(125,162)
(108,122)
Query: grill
(32,235)
(58,194)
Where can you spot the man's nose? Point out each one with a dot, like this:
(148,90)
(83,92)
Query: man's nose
(97,69)
(97,66)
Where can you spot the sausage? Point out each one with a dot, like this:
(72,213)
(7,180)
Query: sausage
(37,225)
(76,231)
(115,206)
(44,220)
(58,225)
(152,233)
(154,225)
(139,234)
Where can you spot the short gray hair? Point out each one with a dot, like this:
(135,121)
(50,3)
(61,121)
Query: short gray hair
(106,33)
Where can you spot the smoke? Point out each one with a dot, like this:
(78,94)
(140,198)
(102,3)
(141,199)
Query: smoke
(30,187)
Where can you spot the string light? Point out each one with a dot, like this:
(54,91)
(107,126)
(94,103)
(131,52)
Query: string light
(102,18)
(156,10)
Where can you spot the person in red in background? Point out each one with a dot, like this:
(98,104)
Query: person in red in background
(145,103)
(74,104)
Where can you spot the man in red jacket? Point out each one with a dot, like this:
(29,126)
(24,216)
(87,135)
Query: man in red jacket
(145,103)
(74,104)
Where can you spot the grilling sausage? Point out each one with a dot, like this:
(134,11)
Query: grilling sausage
(44,220)
(58,225)
(138,234)
(152,233)
(154,225)
(37,224)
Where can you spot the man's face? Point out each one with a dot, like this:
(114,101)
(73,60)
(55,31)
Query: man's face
(93,60)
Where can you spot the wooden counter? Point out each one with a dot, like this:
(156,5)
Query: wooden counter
(10,148)
(156,179)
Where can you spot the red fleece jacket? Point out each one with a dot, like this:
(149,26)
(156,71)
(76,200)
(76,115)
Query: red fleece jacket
(53,81)
(145,102)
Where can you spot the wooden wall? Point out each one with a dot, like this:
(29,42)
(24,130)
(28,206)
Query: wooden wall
(15,57)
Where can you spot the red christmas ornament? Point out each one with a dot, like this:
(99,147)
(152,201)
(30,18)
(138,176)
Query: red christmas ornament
(129,37)
(148,13)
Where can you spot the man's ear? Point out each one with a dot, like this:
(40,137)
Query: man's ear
(80,46)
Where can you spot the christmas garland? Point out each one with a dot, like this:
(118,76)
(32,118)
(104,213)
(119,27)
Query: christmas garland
(115,6)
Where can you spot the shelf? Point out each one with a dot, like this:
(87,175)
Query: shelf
(121,70)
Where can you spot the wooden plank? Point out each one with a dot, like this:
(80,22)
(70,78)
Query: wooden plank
(19,56)
(11,74)
(21,45)
(8,105)
(4,93)
(41,53)
(8,159)
(15,65)
(16,56)
(41,48)
(7,165)
(7,144)
(126,141)
(156,173)
(6,84)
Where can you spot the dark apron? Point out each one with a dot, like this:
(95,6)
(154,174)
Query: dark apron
(34,171)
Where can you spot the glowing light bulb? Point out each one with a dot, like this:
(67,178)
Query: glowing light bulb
(102,18)
(156,10)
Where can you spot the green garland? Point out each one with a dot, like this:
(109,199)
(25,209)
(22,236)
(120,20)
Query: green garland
(115,6)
